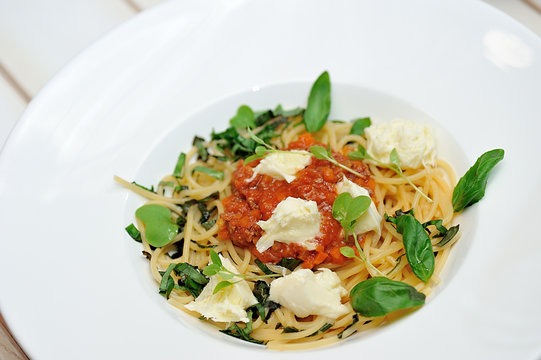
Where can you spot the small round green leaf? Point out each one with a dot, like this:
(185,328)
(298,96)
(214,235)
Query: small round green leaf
(160,229)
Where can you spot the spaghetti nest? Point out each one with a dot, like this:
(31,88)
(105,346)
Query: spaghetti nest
(195,200)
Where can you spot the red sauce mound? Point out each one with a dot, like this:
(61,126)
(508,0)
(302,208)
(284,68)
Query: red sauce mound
(255,200)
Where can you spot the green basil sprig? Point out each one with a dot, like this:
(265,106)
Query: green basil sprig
(471,187)
(319,103)
(347,210)
(379,296)
(416,243)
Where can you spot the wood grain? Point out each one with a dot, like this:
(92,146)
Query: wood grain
(9,349)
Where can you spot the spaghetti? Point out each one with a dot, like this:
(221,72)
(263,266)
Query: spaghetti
(200,203)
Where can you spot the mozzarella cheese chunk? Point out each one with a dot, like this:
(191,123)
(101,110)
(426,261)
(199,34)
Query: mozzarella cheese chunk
(283,165)
(307,293)
(227,305)
(293,221)
(415,143)
(371,219)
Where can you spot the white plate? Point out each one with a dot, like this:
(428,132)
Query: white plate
(72,285)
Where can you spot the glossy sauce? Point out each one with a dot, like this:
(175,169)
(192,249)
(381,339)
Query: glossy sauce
(255,200)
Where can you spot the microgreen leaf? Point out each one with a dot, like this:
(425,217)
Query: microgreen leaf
(394,158)
(212,269)
(347,252)
(319,103)
(219,175)
(321,153)
(394,165)
(359,125)
(215,258)
(221,285)
(346,209)
(160,228)
(471,187)
(180,165)
(379,296)
(244,118)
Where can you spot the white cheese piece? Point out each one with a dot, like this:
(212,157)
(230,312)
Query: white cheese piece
(227,305)
(415,143)
(293,221)
(307,293)
(283,165)
(371,219)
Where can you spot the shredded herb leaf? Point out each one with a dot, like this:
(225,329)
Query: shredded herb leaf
(133,232)
(210,172)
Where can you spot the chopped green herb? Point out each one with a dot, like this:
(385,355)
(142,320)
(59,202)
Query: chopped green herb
(133,232)
(180,165)
(242,333)
(324,328)
(289,329)
(289,263)
(355,320)
(202,152)
(263,267)
(210,172)
(167,283)
(204,246)
(151,189)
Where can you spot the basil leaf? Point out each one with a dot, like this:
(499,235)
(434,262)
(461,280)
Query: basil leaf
(379,296)
(133,232)
(471,187)
(359,125)
(417,245)
(211,172)
(319,103)
(244,118)
(160,229)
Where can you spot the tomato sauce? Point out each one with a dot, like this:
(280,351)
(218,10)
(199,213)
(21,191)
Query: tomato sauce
(255,200)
